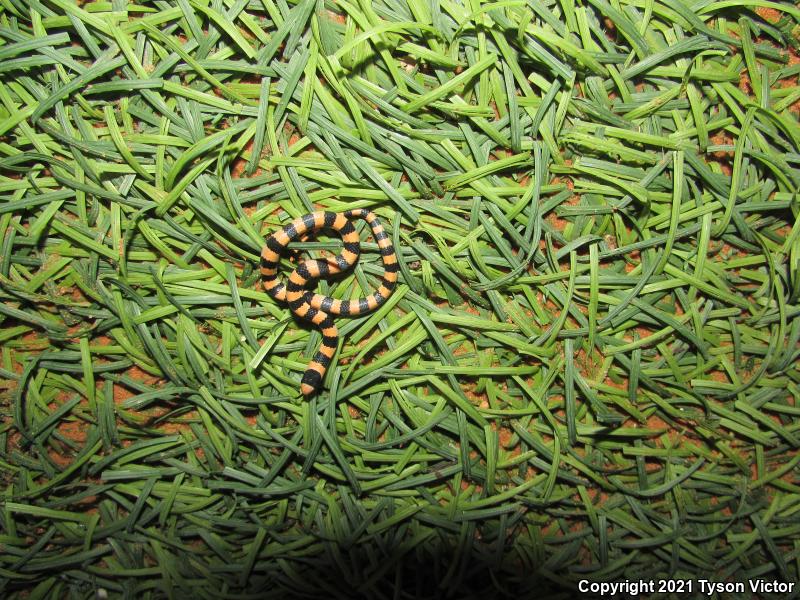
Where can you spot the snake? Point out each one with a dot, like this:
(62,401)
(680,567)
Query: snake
(317,308)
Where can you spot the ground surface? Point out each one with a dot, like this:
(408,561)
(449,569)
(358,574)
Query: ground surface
(589,370)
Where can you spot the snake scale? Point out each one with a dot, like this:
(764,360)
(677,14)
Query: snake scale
(316,308)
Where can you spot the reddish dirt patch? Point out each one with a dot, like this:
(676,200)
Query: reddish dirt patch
(74,431)
(633,262)
(768,14)
(480,400)
(723,157)
(557,222)
(334,16)
(32,342)
(240,164)
(588,364)
(744,83)
(151,417)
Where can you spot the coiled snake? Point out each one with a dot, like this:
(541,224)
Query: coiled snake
(315,307)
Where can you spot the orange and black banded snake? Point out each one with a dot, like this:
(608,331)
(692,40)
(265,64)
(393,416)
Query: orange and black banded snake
(316,308)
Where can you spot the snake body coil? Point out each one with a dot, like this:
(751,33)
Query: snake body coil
(317,308)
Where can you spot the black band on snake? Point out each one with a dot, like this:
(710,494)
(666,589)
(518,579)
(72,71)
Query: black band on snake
(315,307)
